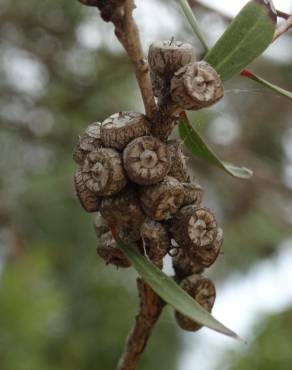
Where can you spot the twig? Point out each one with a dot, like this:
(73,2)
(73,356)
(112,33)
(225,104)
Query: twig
(151,307)
(127,33)
(283,28)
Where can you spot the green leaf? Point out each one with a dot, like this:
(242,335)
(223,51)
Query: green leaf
(199,148)
(170,291)
(277,89)
(248,35)
(193,22)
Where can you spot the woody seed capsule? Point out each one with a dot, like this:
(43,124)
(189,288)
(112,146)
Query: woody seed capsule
(103,172)
(123,211)
(121,128)
(203,291)
(206,257)
(162,200)
(89,201)
(146,160)
(156,240)
(87,142)
(166,57)
(194,228)
(108,250)
(196,85)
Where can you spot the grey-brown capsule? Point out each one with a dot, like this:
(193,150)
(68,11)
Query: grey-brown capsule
(108,250)
(146,160)
(184,266)
(90,140)
(166,57)
(193,194)
(89,201)
(196,85)
(121,128)
(123,211)
(178,168)
(194,228)
(206,257)
(162,200)
(103,172)
(203,291)
(156,240)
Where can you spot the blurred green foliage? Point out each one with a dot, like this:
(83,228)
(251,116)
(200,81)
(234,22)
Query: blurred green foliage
(270,349)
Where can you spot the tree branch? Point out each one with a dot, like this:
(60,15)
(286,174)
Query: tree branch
(127,33)
(151,307)
(283,28)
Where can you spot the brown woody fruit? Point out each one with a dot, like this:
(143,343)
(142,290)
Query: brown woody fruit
(194,228)
(196,85)
(193,194)
(108,250)
(121,128)
(156,241)
(178,168)
(87,142)
(89,201)
(161,201)
(146,160)
(166,57)
(203,291)
(184,266)
(103,172)
(124,212)
(206,257)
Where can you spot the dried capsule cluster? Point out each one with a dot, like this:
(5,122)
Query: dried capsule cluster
(138,182)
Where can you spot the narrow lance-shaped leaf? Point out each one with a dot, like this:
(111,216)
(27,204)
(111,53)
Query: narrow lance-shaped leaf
(248,35)
(269,85)
(193,22)
(170,291)
(199,148)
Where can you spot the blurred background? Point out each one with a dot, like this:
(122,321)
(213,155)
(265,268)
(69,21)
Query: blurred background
(61,308)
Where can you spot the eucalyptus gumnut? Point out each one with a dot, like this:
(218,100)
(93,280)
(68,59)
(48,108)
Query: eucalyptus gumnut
(107,249)
(194,228)
(146,160)
(89,201)
(162,200)
(103,172)
(90,140)
(207,256)
(166,57)
(203,291)
(193,194)
(196,85)
(156,240)
(124,212)
(121,128)
(178,168)
(184,266)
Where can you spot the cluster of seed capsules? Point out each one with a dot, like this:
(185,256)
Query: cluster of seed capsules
(138,182)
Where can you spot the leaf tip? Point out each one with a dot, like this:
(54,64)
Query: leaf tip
(270,7)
